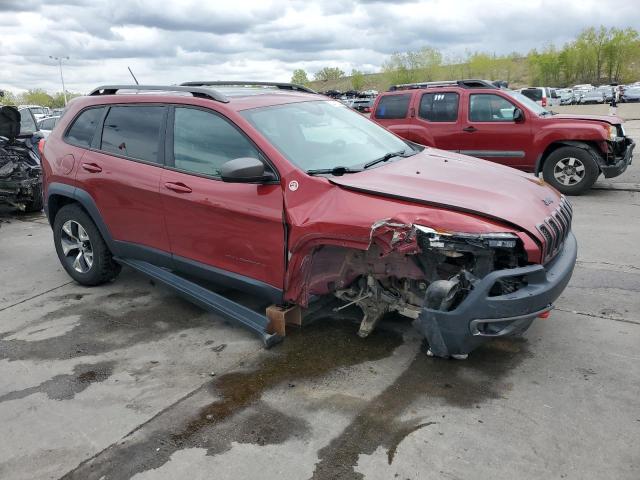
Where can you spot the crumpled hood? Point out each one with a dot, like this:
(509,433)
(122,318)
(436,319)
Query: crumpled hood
(450,180)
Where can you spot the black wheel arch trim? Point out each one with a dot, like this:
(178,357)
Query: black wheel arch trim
(86,201)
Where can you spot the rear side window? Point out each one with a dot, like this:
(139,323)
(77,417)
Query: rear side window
(439,107)
(393,106)
(83,128)
(203,141)
(133,132)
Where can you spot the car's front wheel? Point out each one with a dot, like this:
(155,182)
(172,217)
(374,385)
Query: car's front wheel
(81,248)
(570,170)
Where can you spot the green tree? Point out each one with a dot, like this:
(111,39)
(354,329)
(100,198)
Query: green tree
(414,66)
(329,73)
(9,98)
(357,79)
(299,77)
(37,97)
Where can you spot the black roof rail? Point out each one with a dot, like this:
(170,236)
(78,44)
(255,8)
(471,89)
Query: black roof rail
(195,91)
(248,83)
(470,83)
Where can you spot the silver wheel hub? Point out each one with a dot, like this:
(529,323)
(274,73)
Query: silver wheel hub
(569,171)
(76,246)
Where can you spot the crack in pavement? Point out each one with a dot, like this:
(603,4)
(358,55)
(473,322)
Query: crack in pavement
(36,296)
(593,315)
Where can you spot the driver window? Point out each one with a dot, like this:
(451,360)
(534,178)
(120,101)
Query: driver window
(203,141)
(490,108)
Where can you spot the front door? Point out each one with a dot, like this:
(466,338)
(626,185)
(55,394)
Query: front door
(228,229)
(490,132)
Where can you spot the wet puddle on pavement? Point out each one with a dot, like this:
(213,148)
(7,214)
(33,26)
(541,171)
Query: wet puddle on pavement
(239,415)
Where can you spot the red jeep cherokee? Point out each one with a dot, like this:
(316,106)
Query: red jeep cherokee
(476,118)
(295,199)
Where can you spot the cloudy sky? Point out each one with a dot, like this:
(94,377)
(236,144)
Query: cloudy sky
(169,41)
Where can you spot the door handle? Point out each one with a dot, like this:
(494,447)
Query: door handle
(178,187)
(469,129)
(92,167)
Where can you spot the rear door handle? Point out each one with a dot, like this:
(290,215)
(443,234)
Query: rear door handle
(92,167)
(469,129)
(178,187)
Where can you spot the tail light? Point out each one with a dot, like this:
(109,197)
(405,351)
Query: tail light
(41,148)
(367,109)
(544,102)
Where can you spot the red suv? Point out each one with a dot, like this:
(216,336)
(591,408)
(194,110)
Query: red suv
(476,118)
(296,199)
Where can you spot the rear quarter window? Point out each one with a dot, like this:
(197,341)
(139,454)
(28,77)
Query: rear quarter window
(84,127)
(393,106)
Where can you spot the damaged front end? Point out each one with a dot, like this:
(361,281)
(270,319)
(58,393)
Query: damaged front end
(460,288)
(20,170)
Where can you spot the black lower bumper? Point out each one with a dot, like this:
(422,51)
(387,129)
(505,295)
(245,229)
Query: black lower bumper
(481,316)
(621,162)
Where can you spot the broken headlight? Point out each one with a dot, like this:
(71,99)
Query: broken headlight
(447,240)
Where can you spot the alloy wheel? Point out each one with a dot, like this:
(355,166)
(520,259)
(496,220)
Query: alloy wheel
(76,246)
(569,171)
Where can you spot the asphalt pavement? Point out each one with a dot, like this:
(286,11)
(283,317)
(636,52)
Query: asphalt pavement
(129,381)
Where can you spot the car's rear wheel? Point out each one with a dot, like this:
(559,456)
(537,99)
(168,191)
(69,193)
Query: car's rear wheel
(571,170)
(81,248)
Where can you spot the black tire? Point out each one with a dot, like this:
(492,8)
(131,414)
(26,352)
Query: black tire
(36,204)
(102,268)
(564,155)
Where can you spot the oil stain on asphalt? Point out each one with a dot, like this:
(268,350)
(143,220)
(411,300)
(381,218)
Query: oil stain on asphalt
(238,414)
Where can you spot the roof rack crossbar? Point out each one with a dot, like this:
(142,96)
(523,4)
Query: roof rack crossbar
(242,83)
(195,91)
(470,83)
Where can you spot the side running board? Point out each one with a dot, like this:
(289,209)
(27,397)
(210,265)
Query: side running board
(209,300)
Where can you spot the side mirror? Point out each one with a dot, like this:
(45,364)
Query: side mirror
(244,170)
(518,116)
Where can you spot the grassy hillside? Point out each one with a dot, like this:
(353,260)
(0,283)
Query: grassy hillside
(516,72)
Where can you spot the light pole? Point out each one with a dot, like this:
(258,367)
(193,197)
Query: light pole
(59,60)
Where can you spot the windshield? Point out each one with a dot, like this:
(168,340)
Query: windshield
(37,110)
(324,135)
(527,102)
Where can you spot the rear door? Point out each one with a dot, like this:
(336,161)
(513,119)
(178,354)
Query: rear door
(488,131)
(218,227)
(392,112)
(436,121)
(121,171)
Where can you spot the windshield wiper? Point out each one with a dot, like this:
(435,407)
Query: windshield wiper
(335,171)
(384,158)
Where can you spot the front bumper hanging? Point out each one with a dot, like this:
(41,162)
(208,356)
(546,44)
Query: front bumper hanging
(621,161)
(481,316)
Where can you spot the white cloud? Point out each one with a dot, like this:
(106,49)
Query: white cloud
(179,40)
